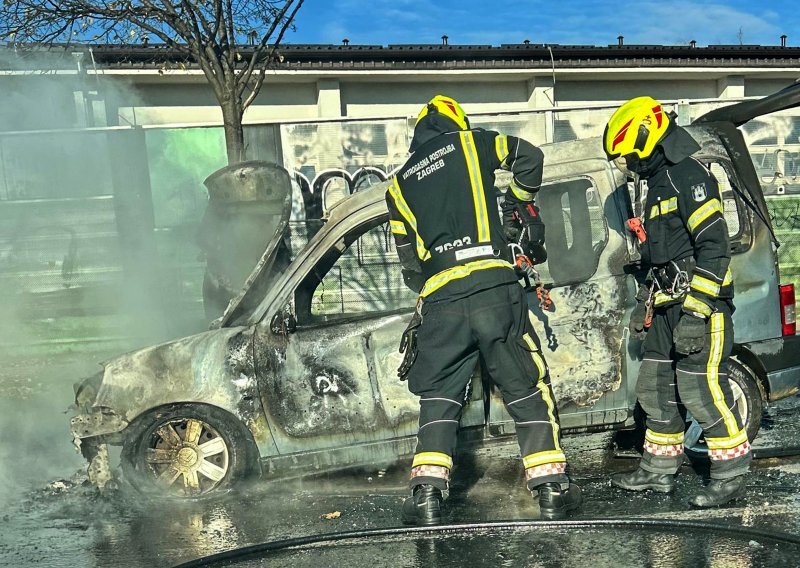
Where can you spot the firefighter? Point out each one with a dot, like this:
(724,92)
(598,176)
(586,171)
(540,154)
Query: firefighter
(454,252)
(688,295)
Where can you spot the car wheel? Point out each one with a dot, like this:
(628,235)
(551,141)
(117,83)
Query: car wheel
(747,393)
(187,451)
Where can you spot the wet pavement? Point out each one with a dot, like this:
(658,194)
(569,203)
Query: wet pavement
(51,518)
(606,544)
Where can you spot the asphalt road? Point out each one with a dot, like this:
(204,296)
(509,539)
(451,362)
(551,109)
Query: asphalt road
(50,518)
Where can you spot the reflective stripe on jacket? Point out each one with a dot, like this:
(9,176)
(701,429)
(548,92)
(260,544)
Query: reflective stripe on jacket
(443,208)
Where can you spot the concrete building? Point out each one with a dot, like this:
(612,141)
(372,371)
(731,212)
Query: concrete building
(148,85)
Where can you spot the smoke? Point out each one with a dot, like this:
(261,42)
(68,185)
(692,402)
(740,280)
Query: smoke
(97,247)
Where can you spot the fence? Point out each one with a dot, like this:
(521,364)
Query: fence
(97,227)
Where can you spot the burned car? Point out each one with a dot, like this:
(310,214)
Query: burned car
(300,375)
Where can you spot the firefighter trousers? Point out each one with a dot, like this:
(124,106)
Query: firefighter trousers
(669,385)
(493,324)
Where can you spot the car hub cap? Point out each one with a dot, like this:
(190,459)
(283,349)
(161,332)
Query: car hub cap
(187,456)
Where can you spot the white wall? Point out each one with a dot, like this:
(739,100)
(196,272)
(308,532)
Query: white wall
(145,97)
(575,91)
(764,87)
(168,102)
(391,98)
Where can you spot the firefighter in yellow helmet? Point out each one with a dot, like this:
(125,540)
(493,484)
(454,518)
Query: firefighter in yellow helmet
(685,305)
(453,247)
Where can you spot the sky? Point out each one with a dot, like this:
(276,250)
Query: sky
(566,22)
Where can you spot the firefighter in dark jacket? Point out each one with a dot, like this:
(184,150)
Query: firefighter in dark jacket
(454,251)
(688,295)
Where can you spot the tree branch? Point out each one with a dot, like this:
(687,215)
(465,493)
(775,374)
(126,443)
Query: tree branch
(256,88)
(207,31)
(279,19)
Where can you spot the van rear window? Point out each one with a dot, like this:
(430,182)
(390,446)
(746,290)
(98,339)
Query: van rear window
(576,231)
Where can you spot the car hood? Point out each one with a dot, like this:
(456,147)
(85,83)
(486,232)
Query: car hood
(258,280)
(214,367)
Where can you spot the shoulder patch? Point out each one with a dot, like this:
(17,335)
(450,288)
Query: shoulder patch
(699,192)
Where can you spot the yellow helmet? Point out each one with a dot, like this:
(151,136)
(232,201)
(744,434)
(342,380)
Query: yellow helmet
(635,128)
(446,107)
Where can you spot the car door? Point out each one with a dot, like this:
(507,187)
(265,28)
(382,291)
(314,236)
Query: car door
(331,379)
(582,338)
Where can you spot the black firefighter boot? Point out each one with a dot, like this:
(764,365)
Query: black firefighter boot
(556,501)
(641,480)
(719,492)
(424,507)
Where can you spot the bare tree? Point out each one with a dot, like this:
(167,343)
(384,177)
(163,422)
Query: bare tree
(233,41)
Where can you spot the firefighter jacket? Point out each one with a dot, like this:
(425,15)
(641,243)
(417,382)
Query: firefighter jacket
(686,231)
(443,208)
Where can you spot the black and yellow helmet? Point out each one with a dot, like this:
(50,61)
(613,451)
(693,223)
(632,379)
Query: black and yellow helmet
(447,107)
(635,128)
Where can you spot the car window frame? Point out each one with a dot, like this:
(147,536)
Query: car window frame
(742,241)
(314,276)
(595,186)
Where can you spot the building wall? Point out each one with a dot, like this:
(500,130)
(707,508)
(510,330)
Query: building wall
(292,97)
(147,97)
(576,91)
(764,87)
(169,102)
(360,99)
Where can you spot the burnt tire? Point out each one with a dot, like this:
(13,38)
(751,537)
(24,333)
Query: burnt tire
(187,451)
(748,394)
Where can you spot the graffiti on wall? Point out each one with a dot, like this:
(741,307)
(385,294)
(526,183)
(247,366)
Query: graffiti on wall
(333,160)
(314,197)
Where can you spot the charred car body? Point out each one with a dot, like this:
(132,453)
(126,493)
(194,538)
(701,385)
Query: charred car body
(300,375)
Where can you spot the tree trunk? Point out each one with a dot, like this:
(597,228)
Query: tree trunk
(234,133)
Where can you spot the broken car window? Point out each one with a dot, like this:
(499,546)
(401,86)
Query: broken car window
(365,278)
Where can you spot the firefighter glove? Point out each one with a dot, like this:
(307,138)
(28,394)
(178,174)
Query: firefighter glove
(535,251)
(523,217)
(637,324)
(531,222)
(511,224)
(408,345)
(690,334)
(533,229)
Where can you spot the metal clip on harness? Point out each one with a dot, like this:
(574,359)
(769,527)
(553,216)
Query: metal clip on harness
(525,264)
(673,285)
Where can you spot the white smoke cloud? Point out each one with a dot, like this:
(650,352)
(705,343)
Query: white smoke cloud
(73,290)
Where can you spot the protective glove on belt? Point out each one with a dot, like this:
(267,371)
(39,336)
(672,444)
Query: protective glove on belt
(690,334)
(637,323)
(408,343)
